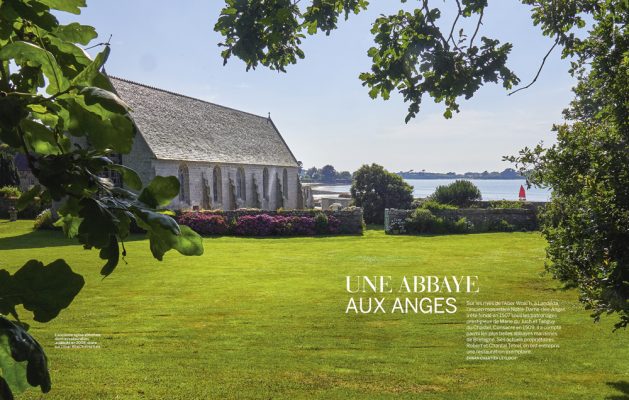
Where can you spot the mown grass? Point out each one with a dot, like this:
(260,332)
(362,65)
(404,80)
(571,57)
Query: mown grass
(264,319)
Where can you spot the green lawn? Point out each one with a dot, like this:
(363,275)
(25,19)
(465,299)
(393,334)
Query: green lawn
(264,319)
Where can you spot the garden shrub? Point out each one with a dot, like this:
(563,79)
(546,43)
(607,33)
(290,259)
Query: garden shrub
(458,193)
(462,225)
(424,221)
(321,222)
(374,189)
(44,221)
(436,206)
(255,225)
(498,204)
(416,203)
(335,226)
(501,226)
(302,226)
(260,224)
(282,226)
(32,210)
(203,223)
(10,191)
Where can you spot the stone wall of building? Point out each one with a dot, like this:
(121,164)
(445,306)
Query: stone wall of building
(201,193)
(140,159)
(520,218)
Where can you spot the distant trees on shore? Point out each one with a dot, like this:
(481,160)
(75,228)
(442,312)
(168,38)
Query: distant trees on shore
(327,174)
(508,173)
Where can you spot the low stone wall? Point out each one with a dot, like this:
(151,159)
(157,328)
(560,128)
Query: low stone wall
(520,218)
(326,202)
(351,218)
(533,205)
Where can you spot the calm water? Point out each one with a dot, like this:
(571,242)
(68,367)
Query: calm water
(497,189)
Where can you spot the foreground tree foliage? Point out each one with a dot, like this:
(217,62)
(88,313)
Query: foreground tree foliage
(58,109)
(587,222)
(374,189)
(8,172)
(416,54)
(413,55)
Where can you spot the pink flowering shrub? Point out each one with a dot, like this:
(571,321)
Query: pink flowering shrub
(203,223)
(334,225)
(304,226)
(255,225)
(206,223)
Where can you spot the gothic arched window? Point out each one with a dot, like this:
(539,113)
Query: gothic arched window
(184,184)
(241,187)
(265,184)
(285,183)
(217,184)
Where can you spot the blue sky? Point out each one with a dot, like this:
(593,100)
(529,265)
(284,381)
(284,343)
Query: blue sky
(320,106)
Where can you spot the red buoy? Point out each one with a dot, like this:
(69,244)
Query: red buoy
(522,194)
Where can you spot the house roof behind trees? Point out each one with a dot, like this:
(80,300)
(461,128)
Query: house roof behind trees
(178,127)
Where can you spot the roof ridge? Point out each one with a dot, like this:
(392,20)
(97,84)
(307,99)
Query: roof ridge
(188,97)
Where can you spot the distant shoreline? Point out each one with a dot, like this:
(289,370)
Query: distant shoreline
(344,183)
(474,177)
(491,189)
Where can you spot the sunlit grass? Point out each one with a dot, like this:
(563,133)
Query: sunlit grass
(264,319)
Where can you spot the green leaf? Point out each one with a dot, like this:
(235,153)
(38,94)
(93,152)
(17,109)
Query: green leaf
(47,116)
(71,6)
(75,59)
(24,51)
(70,225)
(164,234)
(41,139)
(27,197)
(76,33)
(110,253)
(105,130)
(129,177)
(97,225)
(87,76)
(106,99)
(13,372)
(188,243)
(46,290)
(160,192)
(154,221)
(12,111)
(23,347)
(5,390)
(69,220)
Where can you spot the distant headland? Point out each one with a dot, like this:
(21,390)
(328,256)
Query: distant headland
(508,173)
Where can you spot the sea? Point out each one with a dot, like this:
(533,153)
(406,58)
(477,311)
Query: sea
(491,189)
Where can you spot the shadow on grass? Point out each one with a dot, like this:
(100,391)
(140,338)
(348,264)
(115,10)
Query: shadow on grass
(622,387)
(280,237)
(46,238)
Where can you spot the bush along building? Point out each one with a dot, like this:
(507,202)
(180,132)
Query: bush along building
(224,158)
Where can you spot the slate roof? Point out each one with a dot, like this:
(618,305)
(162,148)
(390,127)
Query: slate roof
(178,127)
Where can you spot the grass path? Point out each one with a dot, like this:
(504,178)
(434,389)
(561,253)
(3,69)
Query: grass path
(264,319)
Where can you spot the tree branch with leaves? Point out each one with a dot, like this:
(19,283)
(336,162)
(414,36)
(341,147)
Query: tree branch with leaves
(60,111)
(416,56)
